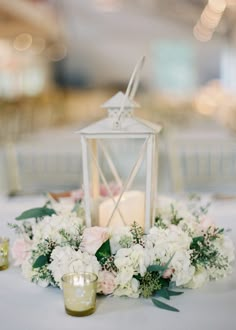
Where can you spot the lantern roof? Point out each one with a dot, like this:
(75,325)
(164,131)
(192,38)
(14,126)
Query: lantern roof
(117,100)
(131,125)
(120,121)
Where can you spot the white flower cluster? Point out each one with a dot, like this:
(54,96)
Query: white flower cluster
(67,260)
(129,262)
(161,245)
(51,227)
(171,241)
(171,244)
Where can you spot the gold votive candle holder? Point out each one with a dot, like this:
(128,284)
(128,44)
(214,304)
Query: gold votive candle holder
(4,248)
(79,290)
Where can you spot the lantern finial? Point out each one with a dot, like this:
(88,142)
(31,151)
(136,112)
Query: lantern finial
(113,106)
(121,105)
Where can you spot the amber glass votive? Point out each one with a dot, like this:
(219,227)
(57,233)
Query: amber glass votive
(4,247)
(79,291)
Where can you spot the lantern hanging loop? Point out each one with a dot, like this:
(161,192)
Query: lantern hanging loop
(131,88)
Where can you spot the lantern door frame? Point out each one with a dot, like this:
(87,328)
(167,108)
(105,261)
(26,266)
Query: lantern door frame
(150,139)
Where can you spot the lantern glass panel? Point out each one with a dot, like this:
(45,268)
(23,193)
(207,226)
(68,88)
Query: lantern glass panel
(117,181)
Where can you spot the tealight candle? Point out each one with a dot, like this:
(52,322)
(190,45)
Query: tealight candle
(131,206)
(4,247)
(79,291)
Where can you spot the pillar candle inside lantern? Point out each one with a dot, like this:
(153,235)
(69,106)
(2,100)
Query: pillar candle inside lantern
(131,206)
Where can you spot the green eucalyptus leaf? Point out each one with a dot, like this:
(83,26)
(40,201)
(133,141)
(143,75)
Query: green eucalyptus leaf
(38,212)
(164,293)
(169,261)
(162,305)
(172,285)
(175,293)
(104,251)
(41,261)
(156,268)
(159,268)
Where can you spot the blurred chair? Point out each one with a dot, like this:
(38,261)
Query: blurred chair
(35,168)
(202,162)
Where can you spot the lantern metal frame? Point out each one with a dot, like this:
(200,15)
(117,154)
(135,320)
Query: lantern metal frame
(121,125)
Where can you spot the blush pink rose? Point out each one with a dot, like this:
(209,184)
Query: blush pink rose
(206,222)
(106,282)
(93,238)
(20,250)
(114,189)
(168,273)
(77,195)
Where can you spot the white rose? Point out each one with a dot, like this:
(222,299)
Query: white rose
(124,276)
(199,279)
(130,289)
(183,270)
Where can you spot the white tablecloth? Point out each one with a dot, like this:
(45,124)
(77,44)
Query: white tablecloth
(24,305)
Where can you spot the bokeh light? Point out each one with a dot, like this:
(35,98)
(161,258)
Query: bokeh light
(23,41)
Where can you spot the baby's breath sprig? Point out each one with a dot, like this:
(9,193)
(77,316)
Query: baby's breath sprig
(44,248)
(204,252)
(126,241)
(44,274)
(175,220)
(25,229)
(109,265)
(72,240)
(159,222)
(137,233)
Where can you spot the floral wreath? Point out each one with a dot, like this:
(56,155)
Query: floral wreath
(183,249)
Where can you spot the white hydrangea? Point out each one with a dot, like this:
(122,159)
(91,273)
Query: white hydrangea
(183,270)
(119,234)
(200,278)
(50,227)
(164,244)
(66,260)
(164,208)
(129,289)
(133,257)
(61,259)
(129,262)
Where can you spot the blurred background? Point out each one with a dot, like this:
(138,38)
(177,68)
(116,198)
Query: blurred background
(61,59)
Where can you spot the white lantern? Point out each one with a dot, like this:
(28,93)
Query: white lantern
(121,149)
